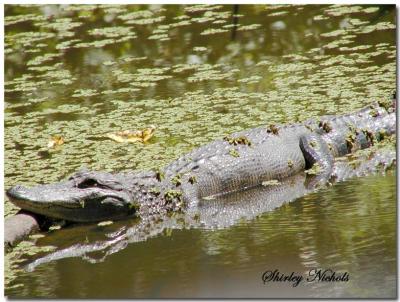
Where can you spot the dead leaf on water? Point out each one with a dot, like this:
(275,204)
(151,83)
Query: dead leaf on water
(54,227)
(128,136)
(55,141)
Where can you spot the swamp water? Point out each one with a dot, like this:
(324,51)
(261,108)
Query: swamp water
(81,72)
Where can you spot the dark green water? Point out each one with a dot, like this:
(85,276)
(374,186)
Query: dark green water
(82,72)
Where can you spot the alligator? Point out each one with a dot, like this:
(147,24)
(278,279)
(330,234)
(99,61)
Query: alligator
(237,162)
(220,212)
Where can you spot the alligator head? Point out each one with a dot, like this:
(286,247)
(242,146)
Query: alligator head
(84,197)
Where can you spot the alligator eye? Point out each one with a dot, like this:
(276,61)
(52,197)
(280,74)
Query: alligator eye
(88,183)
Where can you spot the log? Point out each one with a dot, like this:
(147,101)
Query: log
(19,226)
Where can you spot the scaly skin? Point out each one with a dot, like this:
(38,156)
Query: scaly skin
(240,161)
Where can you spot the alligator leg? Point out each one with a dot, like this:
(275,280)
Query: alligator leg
(316,152)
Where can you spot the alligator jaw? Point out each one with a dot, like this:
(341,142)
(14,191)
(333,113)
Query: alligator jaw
(65,200)
(22,198)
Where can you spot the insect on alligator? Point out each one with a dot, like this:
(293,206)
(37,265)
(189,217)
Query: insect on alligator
(234,163)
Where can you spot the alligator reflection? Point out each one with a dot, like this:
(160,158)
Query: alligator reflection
(223,211)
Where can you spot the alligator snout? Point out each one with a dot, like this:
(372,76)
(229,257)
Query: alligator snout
(64,200)
(17,192)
